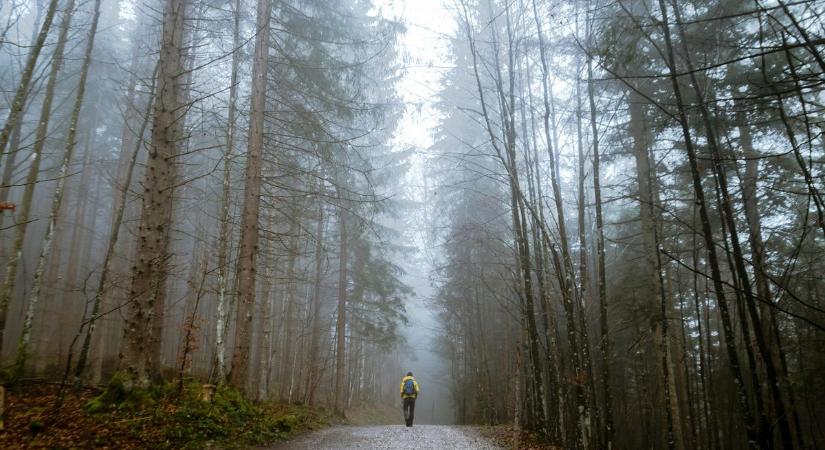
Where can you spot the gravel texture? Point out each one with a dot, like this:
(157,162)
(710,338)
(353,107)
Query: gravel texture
(393,437)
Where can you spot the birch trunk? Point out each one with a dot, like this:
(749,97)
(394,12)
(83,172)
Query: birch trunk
(57,200)
(223,234)
(10,276)
(8,172)
(23,88)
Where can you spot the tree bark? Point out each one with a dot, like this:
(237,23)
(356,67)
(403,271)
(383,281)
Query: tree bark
(223,234)
(120,208)
(655,288)
(739,261)
(710,243)
(314,346)
(566,281)
(149,271)
(341,320)
(604,341)
(8,173)
(770,327)
(10,276)
(23,88)
(290,338)
(252,193)
(57,200)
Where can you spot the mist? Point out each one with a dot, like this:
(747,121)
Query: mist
(597,224)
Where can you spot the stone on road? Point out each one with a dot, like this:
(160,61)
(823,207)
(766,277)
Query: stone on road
(393,437)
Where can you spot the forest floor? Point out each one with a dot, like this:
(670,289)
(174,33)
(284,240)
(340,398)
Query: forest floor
(508,437)
(161,417)
(157,419)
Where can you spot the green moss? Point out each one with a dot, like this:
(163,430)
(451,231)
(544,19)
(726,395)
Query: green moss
(287,423)
(122,394)
(36,426)
(6,375)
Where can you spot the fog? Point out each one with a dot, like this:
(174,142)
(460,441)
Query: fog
(599,222)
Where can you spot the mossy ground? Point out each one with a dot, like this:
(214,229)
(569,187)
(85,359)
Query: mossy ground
(157,418)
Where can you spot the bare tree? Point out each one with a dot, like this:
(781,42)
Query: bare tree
(10,275)
(57,200)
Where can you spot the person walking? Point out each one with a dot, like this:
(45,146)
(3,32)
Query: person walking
(409,392)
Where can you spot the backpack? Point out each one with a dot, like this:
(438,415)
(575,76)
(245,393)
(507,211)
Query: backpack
(409,387)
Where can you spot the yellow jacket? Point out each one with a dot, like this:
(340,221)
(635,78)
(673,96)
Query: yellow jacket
(415,383)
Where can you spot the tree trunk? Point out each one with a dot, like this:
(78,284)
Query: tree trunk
(252,189)
(740,269)
(58,197)
(120,208)
(149,271)
(341,321)
(655,288)
(566,281)
(771,328)
(22,92)
(314,350)
(518,210)
(289,341)
(584,297)
(10,276)
(711,423)
(8,173)
(70,284)
(223,234)
(604,347)
(710,244)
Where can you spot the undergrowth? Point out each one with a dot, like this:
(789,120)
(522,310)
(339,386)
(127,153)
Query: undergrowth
(124,417)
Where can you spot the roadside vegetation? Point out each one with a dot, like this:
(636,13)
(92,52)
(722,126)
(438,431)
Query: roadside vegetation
(158,417)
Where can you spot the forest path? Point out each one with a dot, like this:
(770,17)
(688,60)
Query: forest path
(391,437)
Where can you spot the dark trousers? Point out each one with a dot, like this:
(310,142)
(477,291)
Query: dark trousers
(409,410)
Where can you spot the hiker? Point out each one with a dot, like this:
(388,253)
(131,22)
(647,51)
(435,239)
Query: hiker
(409,392)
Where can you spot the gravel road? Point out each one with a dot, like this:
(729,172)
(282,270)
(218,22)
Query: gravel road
(394,437)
